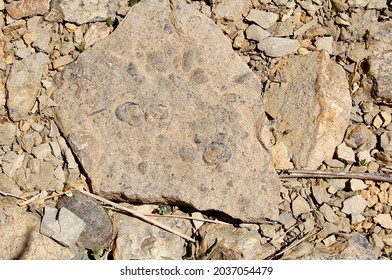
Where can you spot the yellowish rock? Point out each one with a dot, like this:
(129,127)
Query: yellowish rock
(62,61)
(385,220)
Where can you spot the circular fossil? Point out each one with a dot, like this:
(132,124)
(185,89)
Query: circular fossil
(130,113)
(157,115)
(216,152)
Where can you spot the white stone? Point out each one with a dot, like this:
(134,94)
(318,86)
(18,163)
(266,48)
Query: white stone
(56,150)
(254,32)
(354,205)
(277,47)
(384,220)
(345,153)
(329,240)
(358,3)
(356,185)
(71,227)
(232,10)
(364,156)
(377,4)
(357,218)
(262,18)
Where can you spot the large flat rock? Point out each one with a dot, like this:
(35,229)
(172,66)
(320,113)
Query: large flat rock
(163,110)
(311,110)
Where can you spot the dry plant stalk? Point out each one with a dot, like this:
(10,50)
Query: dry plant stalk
(294,173)
(138,215)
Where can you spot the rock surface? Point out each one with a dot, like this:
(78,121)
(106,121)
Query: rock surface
(138,240)
(172,128)
(312,114)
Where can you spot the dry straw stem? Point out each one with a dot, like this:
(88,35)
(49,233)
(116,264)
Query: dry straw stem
(138,215)
(294,173)
(188,218)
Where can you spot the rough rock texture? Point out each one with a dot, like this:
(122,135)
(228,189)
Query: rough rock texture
(237,243)
(381,58)
(27,8)
(98,230)
(23,84)
(232,10)
(356,248)
(16,226)
(138,240)
(310,115)
(83,11)
(164,116)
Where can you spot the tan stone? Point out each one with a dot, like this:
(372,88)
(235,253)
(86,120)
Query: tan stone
(27,8)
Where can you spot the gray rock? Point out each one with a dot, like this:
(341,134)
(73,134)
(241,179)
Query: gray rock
(277,47)
(42,151)
(381,58)
(49,223)
(237,243)
(23,84)
(138,240)
(286,219)
(71,228)
(262,18)
(180,113)
(328,213)
(310,114)
(345,153)
(82,11)
(41,180)
(300,206)
(354,205)
(320,194)
(386,141)
(27,8)
(98,230)
(254,32)
(7,134)
(377,4)
(231,10)
(44,42)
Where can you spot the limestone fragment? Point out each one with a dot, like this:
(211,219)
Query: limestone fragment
(7,133)
(262,18)
(277,47)
(310,115)
(23,84)
(354,205)
(384,220)
(179,120)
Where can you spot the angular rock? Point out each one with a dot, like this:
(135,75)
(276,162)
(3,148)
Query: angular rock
(299,206)
(8,185)
(231,10)
(281,157)
(385,220)
(277,47)
(254,32)
(24,83)
(320,194)
(386,141)
(27,8)
(81,11)
(310,114)
(138,240)
(237,243)
(328,213)
(286,219)
(98,230)
(181,124)
(10,162)
(356,185)
(345,153)
(381,58)
(7,133)
(262,18)
(96,32)
(354,205)
(71,226)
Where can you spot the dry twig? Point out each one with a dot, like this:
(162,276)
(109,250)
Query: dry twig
(293,173)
